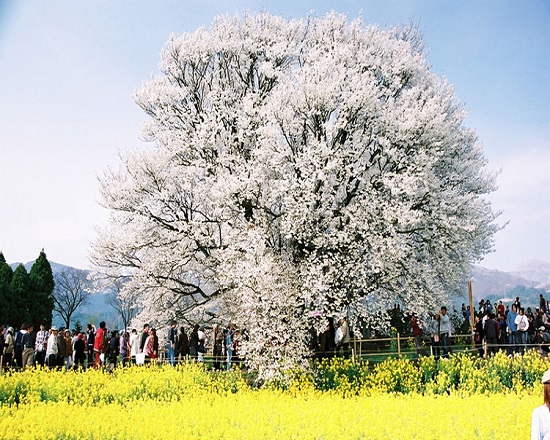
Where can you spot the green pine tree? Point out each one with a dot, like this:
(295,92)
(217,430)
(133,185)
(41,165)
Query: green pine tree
(6,272)
(20,297)
(41,287)
(6,275)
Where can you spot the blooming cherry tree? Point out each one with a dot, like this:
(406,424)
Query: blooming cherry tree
(298,165)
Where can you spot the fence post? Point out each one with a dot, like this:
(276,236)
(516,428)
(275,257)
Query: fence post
(398,345)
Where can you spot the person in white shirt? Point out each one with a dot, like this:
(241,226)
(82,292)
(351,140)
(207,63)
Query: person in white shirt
(522,324)
(202,345)
(134,345)
(52,348)
(540,418)
(445,331)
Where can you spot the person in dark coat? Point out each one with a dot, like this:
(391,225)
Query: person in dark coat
(182,347)
(491,333)
(479,334)
(113,349)
(194,343)
(217,346)
(326,343)
(79,349)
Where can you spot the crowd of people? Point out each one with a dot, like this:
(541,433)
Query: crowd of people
(334,340)
(511,328)
(496,327)
(66,349)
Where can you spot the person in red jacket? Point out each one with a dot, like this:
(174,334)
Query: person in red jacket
(100,345)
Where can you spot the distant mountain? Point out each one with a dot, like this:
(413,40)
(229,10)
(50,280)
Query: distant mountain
(493,283)
(534,270)
(56,267)
(528,281)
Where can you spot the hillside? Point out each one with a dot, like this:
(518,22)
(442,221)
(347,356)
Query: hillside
(528,281)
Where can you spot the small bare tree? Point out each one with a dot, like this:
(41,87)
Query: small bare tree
(125,303)
(72,289)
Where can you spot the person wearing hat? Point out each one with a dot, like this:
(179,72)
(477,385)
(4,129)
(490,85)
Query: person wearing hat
(9,343)
(540,418)
(52,348)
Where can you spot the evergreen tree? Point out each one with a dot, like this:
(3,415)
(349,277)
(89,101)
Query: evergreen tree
(20,297)
(6,272)
(41,288)
(6,275)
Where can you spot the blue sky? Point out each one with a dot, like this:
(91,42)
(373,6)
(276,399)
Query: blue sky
(68,70)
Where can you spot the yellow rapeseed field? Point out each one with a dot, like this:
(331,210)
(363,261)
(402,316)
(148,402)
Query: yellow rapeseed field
(189,402)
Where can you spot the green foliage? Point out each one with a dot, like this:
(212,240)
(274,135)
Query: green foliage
(41,287)
(342,375)
(462,373)
(6,275)
(396,376)
(78,326)
(6,272)
(20,298)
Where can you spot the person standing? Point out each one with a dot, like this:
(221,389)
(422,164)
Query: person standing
(68,350)
(500,308)
(40,345)
(490,328)
(134,345)
(125,348)
(345,337)
(325,343)
(144,336)
(2,346)
(194,343)
(217,346)
(540,417)
(523,326)
(436,330)
(9,344)
(151,346)
(18,348)
(512,330)
(52,348)
(29,341)
(417,334)
(445,331)
(201,348)
(90,342)
(61,347)
(113,350)
(229,345)
(79,349)
(479,335)
(100,345)
(183,345)
(171,342)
